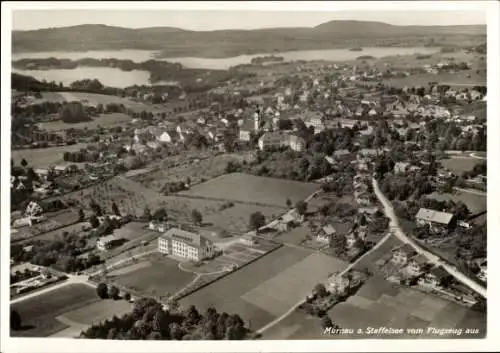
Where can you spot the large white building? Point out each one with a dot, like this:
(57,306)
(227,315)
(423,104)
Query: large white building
(278,139)
(185,244)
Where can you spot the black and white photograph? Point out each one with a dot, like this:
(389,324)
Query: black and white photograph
(197,171)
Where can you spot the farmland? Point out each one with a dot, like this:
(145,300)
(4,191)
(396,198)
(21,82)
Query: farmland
(132,197)
(104,120)
(179,168)
(460,164)
(476,203)
(44,157)
(235,219)
(381,304)
(240,187)
(40,320)
(156,277)
(267,287)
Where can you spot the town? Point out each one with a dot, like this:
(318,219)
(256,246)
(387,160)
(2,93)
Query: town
(349,192)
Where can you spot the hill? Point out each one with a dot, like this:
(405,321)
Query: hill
(223,43)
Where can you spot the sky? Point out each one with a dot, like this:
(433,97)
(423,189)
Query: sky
(231,19)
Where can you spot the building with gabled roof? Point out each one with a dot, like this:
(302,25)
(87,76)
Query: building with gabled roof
(432,217)
(185,244)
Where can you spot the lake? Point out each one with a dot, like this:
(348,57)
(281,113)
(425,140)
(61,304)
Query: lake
(117,78)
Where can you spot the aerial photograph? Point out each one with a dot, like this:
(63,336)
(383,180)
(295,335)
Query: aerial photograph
(236,175)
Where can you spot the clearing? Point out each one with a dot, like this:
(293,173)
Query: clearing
(104,120)
(246,188)
(476,203)
(45,157)
(459,164)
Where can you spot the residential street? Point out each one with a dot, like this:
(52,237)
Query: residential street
(394,224)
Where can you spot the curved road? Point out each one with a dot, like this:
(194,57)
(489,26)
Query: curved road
(436,260)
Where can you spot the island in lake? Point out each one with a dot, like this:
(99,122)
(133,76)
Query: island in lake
(365,57)
(261,60)
(356,49)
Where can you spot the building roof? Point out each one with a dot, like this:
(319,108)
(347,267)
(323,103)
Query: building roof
(329,229)
(192,239)
(109,238)
(428,215)
(340,153)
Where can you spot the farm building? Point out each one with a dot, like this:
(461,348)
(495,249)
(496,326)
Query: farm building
(434,218)
(185,244)
(109,241)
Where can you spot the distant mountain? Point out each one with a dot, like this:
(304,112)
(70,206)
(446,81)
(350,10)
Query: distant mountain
(223,43)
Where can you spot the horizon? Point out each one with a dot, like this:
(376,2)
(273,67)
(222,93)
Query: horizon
(212,20)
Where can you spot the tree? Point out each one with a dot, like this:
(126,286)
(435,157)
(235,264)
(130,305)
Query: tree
(301,207)
(126,296)
(147,214)
(326,322)
(114,292)
(257,220)
(196,217)
(94,221)
(288,203)
(102,290)
(320,290)
(24,163)
(160,215)
(81,215)
(15,320)
(115,209)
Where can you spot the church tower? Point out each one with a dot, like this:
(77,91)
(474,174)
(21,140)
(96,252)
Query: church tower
(256,121)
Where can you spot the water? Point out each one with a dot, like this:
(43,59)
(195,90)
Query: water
(108,76)
(116,78)
(225,63)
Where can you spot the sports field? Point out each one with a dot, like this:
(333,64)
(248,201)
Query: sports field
(161,275)
(253,189)
(268,287)
(38,314)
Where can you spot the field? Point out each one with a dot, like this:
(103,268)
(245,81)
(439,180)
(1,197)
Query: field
(296,236)
(460,165)
(39,313)
(380,304)
(132,197)
(240,187)
(50,228)
(268,287)
(79,319)
(44,157)
(105,120)
(235,219)
(157,277)
(95,98)
(476,203)
(179,168)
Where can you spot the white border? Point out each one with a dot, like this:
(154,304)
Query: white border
(66,345)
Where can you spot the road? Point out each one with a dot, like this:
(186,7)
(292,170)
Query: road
(471,191)
(71,280)
(348,268)
(434,259)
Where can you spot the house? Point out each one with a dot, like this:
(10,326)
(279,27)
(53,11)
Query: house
(316,121)
(248,239)
(185,244)
(434,218)
(351,240)
(109,241)
(416,265)
(297,143)
(246,130)
(401,254)
(436,277)
(341,154)
(363,199)
(401,167)
(168,136)
(273,140)
(326,234)
(338,284)
(158,226)
(286,222)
